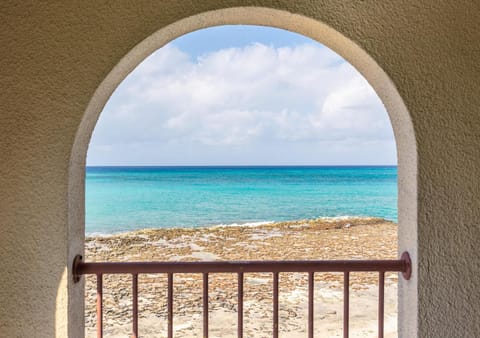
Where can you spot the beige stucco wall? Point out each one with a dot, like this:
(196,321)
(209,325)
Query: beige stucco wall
(59,62)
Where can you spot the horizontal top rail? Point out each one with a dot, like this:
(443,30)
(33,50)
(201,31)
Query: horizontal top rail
(401,265)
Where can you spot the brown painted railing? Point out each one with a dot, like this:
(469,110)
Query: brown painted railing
(402,265)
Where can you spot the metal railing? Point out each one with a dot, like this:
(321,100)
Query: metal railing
(402,265)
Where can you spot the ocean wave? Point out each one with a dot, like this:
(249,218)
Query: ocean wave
(260,223)
(247,224)
(102,234)
(326,219)
(344,218)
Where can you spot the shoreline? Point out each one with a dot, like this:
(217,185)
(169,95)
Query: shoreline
(325,219)
(349,238)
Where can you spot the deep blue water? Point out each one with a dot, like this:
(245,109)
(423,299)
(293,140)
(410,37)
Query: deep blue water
(127,198)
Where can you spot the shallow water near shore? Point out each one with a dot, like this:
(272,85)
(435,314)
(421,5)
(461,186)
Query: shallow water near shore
(129,198)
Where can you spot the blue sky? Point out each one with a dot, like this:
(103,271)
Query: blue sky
(209,40)
(243,95)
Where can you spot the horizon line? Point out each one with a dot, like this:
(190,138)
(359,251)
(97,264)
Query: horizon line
(238,165)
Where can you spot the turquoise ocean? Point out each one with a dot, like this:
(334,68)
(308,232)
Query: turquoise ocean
(129,198)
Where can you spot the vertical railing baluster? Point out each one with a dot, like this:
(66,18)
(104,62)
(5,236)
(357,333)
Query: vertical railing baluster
(275,305)
(346,303)
(311,289)
(135,305)
(99,306)
(205,305)
(240,305)
(170,304)
(381,303)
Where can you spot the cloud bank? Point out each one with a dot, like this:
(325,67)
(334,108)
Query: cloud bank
(252,105)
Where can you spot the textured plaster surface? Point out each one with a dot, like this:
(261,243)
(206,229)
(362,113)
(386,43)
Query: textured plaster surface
(59,62)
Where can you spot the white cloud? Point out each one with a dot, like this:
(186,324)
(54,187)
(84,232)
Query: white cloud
(243,101)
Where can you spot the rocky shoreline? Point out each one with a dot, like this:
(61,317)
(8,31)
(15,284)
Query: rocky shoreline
(349,238)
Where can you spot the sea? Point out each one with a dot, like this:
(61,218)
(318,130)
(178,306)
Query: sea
(122,199)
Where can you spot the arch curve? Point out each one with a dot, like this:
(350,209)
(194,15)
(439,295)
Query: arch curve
(335,40)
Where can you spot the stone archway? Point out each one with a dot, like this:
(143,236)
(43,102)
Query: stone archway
(385,88)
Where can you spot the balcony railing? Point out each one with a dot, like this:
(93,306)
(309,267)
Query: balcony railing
(402,265)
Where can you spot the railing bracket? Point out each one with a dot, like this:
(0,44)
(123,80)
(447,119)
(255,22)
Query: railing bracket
(407,270)
(76,262)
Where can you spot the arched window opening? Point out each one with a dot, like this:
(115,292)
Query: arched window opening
(242,143)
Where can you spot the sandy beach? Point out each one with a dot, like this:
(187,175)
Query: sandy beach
(349,238)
